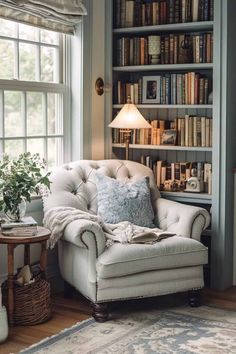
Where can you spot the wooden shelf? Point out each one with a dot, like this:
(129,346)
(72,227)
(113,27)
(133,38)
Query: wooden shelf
(202,198)
(189,26)
(164,67)
(171,106)
(163,147)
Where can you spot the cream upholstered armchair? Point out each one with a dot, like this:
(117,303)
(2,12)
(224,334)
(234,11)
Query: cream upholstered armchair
(126,271)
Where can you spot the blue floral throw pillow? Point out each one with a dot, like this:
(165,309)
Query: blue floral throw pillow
(119,201)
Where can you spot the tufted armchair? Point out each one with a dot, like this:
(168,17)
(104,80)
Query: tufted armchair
(126,271)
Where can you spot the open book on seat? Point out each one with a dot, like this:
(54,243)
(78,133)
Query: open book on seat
(151,237)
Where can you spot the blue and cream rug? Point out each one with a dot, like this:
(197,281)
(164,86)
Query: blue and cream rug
(183,330)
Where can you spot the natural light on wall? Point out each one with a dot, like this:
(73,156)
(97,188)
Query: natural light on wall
(31,91)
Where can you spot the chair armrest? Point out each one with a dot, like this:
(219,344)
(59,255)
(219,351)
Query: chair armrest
(86,234)
(184,220)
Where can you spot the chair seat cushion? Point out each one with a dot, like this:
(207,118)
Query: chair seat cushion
(173,252)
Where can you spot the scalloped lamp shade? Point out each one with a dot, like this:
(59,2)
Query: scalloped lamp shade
(129,118)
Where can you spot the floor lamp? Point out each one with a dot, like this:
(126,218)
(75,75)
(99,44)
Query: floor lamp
(127,119)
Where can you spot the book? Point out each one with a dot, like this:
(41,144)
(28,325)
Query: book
(129,13)
(150,237)
(27,231)
(27,221)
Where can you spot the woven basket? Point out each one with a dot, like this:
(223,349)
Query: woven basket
(32,303)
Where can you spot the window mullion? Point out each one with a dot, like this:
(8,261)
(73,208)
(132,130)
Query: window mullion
(45,122)
(38,63)
(17,55)
(24,118)
(2,121)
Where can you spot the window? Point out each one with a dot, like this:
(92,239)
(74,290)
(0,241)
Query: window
(32,91)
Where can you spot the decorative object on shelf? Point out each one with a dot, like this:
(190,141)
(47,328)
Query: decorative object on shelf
(154,49)
(151,89)
(3,320)
(168,137)
(18,180)
(195,184)
(129,118)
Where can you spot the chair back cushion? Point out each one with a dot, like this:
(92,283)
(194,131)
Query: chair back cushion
(74,185)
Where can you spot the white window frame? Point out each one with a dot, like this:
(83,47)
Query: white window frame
(63,88)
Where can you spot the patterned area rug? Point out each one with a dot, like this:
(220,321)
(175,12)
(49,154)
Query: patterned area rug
(180,330)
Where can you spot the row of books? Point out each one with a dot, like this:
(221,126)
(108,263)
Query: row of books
(174,176)
(164,49)
(194,131)
(130,13)
(182,88)
(190,131)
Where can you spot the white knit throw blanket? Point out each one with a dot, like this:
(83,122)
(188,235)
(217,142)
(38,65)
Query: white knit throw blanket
(57,219)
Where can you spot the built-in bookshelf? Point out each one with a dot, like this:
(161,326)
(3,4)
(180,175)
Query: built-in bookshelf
(181,71)
(220,108)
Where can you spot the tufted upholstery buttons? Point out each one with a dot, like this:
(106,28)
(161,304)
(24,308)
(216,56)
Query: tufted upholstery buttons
(78,178)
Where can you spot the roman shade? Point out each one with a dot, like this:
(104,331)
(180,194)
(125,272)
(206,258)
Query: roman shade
(60,15)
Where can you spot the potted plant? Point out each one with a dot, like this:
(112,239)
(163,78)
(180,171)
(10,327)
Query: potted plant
(19,179)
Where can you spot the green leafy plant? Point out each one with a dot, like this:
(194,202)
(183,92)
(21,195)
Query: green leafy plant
(19,179)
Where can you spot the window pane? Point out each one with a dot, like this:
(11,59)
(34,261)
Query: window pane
(27,54)
(28,32)
(55,152)
(6,59)
(13,114)
(35,121)
(54,114)
(7,28)
(49,37)
(48,64)
(36,146)
(14,147)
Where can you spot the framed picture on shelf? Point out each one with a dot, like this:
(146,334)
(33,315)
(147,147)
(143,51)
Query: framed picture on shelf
(151,92)
(168,137)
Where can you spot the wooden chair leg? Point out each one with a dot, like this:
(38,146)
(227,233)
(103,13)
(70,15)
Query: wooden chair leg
(100,312)
(194,298)
(68,290)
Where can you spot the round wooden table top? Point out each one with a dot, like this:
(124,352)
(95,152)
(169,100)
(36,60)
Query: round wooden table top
(43,234)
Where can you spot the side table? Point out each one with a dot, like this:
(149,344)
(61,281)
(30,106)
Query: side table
(12,242)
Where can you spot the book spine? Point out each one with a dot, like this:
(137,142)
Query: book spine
(137,13)
(186,119)
(171,9)
(167,49)
(122,12)
(129,13)
(177,11)
(117,12)
(203,130)
(171,54)
(195,9)
(194,131)
(182,131)
(190,131)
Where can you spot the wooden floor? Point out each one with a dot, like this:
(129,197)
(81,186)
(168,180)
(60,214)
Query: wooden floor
(67,312)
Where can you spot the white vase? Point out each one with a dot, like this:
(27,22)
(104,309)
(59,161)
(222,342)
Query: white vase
(3,324)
